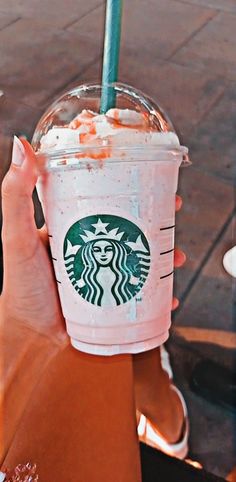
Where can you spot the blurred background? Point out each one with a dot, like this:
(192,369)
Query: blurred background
(182,53)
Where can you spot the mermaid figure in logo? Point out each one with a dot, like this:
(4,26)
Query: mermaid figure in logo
(106,274)
(105,269)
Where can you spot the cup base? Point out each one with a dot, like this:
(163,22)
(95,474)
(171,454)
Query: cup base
(109,350)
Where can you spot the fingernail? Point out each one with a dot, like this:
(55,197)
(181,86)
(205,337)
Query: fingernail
(18,152)
(2,476)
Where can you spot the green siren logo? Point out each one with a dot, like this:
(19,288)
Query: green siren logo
(107,259)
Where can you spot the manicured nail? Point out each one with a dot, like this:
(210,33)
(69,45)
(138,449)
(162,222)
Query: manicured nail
(2,476)
(18,154)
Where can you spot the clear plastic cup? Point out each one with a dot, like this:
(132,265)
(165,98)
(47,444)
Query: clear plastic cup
(110,213)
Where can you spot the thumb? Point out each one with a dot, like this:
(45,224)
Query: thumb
(17,189)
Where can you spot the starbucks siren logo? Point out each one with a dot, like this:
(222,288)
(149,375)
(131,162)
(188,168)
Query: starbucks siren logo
(107,259)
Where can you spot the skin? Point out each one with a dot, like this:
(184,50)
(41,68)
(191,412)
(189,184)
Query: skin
(36,313)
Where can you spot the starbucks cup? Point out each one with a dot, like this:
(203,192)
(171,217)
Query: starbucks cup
(108,197)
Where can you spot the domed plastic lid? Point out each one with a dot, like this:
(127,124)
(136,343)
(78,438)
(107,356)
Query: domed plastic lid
(74,122)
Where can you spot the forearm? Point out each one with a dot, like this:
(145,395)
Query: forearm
(80,422)
(24,356)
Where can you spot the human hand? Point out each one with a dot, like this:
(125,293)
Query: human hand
(36,401)
(29,295)
(179,255)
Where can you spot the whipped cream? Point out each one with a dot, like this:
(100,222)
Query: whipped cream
(116,128)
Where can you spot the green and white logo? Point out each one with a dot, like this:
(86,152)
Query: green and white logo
(107,259)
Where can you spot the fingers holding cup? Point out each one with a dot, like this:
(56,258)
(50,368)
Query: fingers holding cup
(179,255)
(175,304)
(178,202)
(179,258)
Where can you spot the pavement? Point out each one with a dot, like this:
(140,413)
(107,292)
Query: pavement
(182,53)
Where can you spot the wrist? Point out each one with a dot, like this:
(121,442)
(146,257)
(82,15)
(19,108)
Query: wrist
(50,324)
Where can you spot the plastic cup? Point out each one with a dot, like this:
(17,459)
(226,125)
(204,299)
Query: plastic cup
(111,224)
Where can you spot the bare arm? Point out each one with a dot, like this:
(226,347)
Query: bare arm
(71,413)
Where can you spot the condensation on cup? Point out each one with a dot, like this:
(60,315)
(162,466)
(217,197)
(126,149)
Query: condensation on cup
(108,197)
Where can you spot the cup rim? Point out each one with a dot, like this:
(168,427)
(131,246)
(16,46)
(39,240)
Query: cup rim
(160,148)
(119,155)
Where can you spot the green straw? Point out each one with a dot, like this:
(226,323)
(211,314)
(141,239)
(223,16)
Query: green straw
(111,53)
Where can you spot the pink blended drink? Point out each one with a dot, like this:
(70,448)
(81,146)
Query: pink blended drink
(108,196)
